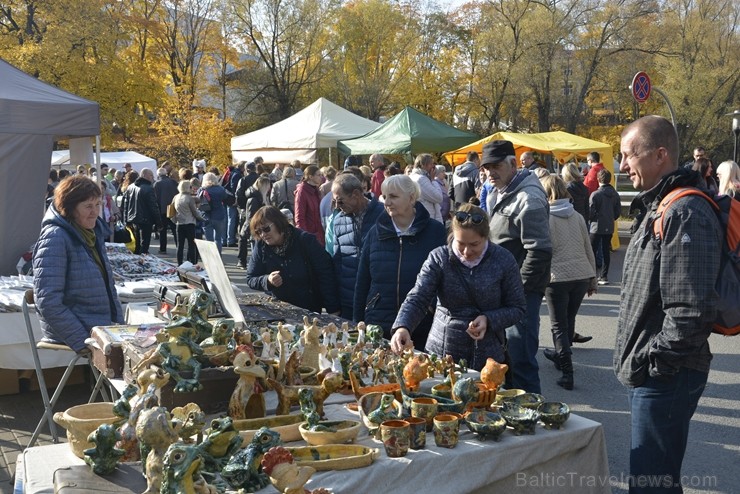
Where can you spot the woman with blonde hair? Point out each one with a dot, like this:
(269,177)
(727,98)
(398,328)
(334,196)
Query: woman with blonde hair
(186,217)
(728,174)
(431,196)
(577,190)
(572,275)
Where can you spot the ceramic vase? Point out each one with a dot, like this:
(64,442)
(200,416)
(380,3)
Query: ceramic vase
(425,408)
(396,437)
(418,429)
(446,430)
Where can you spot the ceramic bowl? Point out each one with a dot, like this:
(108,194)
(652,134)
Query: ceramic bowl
(527,400)
(521,419)
(485,424)
(336,432)
(442,390)
(505,394)
(553,414)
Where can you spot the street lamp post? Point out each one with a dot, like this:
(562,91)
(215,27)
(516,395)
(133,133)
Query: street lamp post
(736,131)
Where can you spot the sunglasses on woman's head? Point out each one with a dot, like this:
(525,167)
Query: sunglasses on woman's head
(263,229)
(475,218)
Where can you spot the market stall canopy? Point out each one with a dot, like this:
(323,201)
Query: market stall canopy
(112,159)
(562,145)
(32,115)
(410,131)
(319,125)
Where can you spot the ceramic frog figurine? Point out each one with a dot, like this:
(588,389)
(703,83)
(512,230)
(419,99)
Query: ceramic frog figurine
(244,469)
(155,434)
(104,457)
(223,331)
(181,471)
(385,410)
(222,441)
(188,421)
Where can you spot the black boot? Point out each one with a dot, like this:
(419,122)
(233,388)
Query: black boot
(552,357)
(566,365)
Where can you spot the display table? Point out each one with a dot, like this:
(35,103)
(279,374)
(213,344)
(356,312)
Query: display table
(571,460)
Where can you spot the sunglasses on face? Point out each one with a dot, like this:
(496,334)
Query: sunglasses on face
(261,230)
(475,218)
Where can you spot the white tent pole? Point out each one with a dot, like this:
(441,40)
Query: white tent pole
(97,159)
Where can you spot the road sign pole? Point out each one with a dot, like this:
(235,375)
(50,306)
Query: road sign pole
(670,107)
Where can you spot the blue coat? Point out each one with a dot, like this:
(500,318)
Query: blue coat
(441,277)
(218,208)
(311,287)
(389,265)
(347,245)
(71,294)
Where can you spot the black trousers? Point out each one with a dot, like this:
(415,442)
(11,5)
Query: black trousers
(168,224)
(563,301)
(143,237)
(186,235)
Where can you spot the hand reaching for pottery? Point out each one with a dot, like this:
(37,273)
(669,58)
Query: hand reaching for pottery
(275,279)
(401,340)
(477,328)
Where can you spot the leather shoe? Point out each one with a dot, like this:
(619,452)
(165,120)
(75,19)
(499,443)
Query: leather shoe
(241,266)
(579,338)
(552,357)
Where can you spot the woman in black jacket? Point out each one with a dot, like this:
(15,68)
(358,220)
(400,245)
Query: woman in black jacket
(577,190)
(290,264)
(256,197)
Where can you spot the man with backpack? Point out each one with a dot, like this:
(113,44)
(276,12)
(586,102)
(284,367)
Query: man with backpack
(668,304)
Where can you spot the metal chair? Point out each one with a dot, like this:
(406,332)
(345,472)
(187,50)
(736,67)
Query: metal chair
(26,305)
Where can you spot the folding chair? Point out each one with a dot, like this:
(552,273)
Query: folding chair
(28,302)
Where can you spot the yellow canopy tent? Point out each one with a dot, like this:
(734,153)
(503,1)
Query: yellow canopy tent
(562,145)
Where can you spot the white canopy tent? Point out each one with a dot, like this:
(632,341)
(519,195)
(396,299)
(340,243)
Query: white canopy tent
(112,159)
(318,126)
(32,115)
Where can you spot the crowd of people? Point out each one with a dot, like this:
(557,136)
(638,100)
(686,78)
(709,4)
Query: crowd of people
(453,264)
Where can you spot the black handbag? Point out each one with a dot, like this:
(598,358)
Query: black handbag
(121,235)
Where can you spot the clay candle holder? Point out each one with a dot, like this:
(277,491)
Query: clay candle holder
(446,430)
(418,427)
(425,408)
(396,437)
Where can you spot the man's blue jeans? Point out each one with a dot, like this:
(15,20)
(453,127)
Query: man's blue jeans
(523,340)
(232,221)
(661,412)
(214,230)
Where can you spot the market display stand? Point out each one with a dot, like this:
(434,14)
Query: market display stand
(570,460)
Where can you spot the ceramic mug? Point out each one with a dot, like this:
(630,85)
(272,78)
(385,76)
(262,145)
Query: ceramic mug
(446,430)
(424,408)
(396,437)
(418,427)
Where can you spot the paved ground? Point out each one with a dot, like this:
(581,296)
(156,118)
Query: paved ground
(711,464)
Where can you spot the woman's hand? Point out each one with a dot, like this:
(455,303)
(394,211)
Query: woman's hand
(275,279)
(478,327)
(401,340)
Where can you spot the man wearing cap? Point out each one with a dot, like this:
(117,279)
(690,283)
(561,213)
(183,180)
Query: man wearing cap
(520,223)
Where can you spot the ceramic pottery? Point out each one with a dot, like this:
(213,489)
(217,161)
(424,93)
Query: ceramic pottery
(486,424)
(554,414)
(504,394)
(330,432)
(527,400)
(396,437)
(443,390)
(418,429)
(521,419)
(446,430)
(81,420)
(425,408)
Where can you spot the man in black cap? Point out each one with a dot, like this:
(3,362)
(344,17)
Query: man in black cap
(520,223)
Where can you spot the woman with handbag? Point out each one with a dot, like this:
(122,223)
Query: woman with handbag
(185,217)
(290,264)
(468,323)
(212,197)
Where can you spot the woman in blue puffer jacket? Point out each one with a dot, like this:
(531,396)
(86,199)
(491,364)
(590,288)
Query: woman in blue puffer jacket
(72,279)
(392,255)
(213,195)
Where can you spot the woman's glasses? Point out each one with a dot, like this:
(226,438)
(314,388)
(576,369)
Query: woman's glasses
(475,218)
(261,230)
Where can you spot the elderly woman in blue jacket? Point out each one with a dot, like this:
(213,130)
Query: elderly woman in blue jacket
(72,278)
(392,255)
(469,323)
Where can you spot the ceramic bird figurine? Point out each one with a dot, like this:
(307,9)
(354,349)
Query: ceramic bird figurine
(247,400)
(492,375)
(285,475)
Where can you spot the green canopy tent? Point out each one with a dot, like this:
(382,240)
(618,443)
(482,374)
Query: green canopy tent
(410,131)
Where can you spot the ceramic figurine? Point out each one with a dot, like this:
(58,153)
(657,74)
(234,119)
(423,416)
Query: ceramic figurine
(285,475)
(330,335)
(155,433)
(360,336)
(269,347)
(222,440)
(247,400)
(177,353)
(308,408)
(104,457)
(385,410)
(288,395)
(189,421)
(198,304)
(223,331)
(379,364)
(336,365)
(181,471)
(244,469)
(374,334)
(344,343)
(416,371)
(150,381)
(310,337)
(324,362)
(122,406)
(284,339)
(492,375)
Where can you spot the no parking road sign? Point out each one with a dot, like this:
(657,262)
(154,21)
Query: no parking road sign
(641,87)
